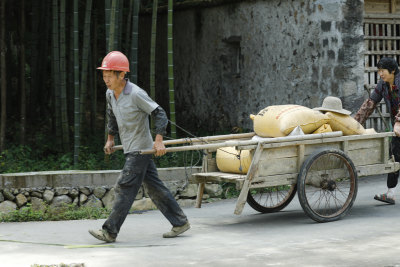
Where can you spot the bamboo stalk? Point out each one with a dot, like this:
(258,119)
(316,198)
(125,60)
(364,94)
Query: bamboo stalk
(93,72)
(171,88)
(231,143)
(153,51)
(134,45)
(22,77)
(77,124)
(119,24)
(111,40)
(34,62)
(56,72)
(107,11)
(85,62)
(63,77)
(3,75)
(153,56)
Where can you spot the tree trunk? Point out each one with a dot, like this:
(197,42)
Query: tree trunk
(171,70)
(22,76)
(134,45)
(77,127)
(63,83)
(3,49)
(56,73)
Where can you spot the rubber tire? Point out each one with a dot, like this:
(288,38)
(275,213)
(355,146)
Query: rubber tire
(302,186)
(260,208)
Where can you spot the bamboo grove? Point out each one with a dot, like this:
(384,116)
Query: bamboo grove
(49,51)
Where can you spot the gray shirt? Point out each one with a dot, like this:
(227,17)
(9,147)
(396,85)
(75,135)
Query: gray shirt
(131,112)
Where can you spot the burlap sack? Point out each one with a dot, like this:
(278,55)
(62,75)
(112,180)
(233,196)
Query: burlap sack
(345,123)
(280,120)
(325,128)
(228,161)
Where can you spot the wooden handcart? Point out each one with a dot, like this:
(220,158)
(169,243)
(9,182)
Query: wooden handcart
(322,168)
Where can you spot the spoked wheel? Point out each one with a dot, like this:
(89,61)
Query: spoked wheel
(271,199)
(327,185)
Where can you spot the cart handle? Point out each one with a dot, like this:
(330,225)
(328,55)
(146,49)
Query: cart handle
(231,143)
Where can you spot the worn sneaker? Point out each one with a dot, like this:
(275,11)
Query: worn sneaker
(177,230)
(102,235)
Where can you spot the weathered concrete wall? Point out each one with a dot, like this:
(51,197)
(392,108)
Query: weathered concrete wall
(78,178)
(233,60)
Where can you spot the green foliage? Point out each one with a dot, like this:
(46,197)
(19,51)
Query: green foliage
(72,212)
(20,158)
(24,214)
(230,190)
(271,189)
(179,159)
(68,212)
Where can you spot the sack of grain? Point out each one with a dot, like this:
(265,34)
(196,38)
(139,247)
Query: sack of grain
(233,161)
(344,123)
(280,120)
(325,128)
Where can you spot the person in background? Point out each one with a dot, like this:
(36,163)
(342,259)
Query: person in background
(388,89)
(128,109)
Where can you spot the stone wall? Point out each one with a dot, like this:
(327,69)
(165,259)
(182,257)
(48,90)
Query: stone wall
(97,197)
(89,188)
(234,59)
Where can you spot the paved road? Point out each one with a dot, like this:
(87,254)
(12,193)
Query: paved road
(368,236)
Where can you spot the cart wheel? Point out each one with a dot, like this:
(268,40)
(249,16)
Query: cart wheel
(271,199)
(327,185)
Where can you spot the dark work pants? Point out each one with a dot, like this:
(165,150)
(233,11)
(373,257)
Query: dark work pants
(140,169)
(393,178)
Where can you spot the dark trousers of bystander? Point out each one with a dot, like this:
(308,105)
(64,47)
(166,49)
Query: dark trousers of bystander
(393,178)
(140,169)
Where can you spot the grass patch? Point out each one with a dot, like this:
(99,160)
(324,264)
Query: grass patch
(66,212)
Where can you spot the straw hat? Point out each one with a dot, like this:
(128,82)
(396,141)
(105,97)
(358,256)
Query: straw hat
(333,104)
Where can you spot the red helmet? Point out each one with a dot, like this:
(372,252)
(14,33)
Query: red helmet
(115,60)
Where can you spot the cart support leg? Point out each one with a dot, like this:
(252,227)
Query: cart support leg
(242,198)
(241,201)
(200,192)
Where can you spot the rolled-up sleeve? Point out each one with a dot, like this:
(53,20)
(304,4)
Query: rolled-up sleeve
(160,120)
(365,110)
(112,125)
(369,104)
